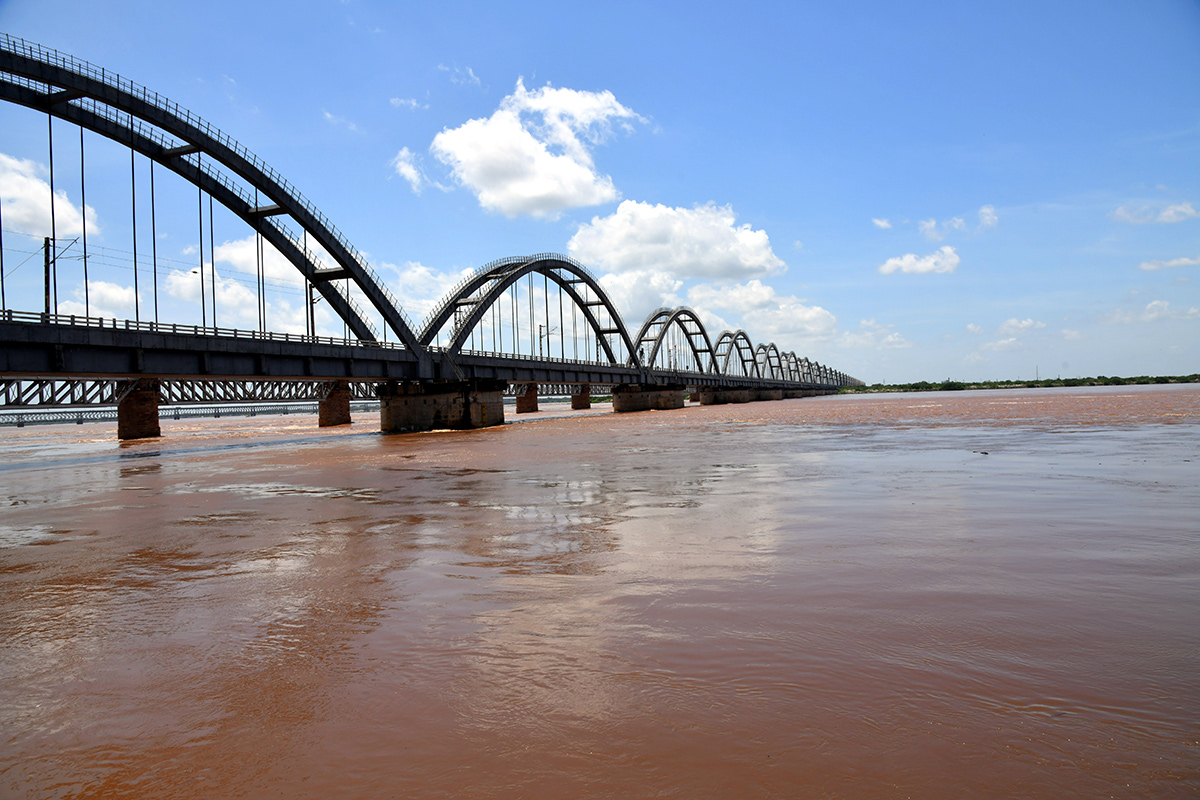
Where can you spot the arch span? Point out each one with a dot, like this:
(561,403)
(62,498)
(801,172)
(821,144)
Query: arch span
(105,103)
(466,304)
(729,343)
(655,329)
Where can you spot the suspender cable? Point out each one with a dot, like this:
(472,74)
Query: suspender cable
(258,288)
(546,299)
(200,213)
(212,253)
(3,301)
(87,303)
(53,227)
(562,334)
(153,239)
(133,215)
(532,320)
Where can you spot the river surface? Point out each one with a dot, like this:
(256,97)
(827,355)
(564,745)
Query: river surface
(945,595)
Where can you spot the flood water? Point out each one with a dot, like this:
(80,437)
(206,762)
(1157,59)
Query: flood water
(946,595)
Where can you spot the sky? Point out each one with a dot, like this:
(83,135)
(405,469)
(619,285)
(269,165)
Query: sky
(904,192)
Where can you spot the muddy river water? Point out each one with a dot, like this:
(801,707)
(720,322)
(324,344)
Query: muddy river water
(944,595)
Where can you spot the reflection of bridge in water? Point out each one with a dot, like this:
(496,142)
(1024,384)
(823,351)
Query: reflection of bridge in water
(523,325)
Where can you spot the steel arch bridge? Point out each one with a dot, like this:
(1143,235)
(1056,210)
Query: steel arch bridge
(495,325)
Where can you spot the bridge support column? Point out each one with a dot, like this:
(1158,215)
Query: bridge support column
(334,407)
(428,405)
(583,397)
(527,403)
(137,410)
(642,397)
(718,397)
(768,394)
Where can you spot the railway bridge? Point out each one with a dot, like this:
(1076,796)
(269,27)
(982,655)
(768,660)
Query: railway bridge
(523,326)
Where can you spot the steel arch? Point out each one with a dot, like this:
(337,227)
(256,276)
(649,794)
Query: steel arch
(766,359)
(103,102)
(489,283)
(727,343)
(654,331)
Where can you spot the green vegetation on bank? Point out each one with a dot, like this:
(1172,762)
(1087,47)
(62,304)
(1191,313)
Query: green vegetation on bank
(949,385)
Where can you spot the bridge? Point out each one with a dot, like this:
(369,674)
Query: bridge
(521,326)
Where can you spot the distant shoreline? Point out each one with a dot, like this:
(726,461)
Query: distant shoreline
(1047,383)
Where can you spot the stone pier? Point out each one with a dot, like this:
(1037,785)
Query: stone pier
(334,408)
(768,394)
(429,405)
(583,397)
(642,397)
(528,403)
(717,397)
(137,410)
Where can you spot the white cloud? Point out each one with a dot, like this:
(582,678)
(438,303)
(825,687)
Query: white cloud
(1002,344)
(406,168)
(1174,262)
(1015,325)
(639,292)
(410,103)
(104,299)
(987,217)
(1072,335)
(973,328)
(1146,214)
(533,155)
(881,223)
(700,242)
(943,260)
(1155,311)
(460,76)
(872,334)
(25,193)
(765,315)
(929,228)
(418,288)
(334,119)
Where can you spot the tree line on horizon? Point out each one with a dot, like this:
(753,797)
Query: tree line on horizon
(949,385)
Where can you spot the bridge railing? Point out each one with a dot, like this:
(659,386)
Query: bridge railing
(114,80)
(106,323)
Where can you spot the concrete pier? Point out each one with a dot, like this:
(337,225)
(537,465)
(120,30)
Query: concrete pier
(528,403)
(718,397)
(429,405)
(639,397)
(137,410)
(334,408)
(583,397)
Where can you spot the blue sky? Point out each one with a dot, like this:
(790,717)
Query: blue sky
(902,191)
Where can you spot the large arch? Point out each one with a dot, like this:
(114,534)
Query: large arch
(737,341)
(654,331)
(480,291)
(766,358)
(105,103)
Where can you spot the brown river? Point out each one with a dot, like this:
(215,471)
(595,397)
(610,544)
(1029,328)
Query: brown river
(945,595)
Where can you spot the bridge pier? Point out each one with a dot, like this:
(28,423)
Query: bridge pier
(528,403)
(137,410)
(582,397)
(334,407)
(768,394)
(719,397)
(644,397)
(426,405)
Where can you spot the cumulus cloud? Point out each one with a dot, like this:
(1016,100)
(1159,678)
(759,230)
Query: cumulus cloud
(461,76)
(25,193)
(987,217)
(1072,335)
(533,155)
(1002,344)
(418,287)
(334,119)
(881,223)
(1147,214)
(1155,311)
(1015,325)
(700,242)
(412,104)
(930,230)
(406,168)
(973,328)
(944,260)
(1174,262)
(872,334)
(639,292)
(765,314)
(104,299)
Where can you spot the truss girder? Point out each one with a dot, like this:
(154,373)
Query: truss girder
(88,392)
